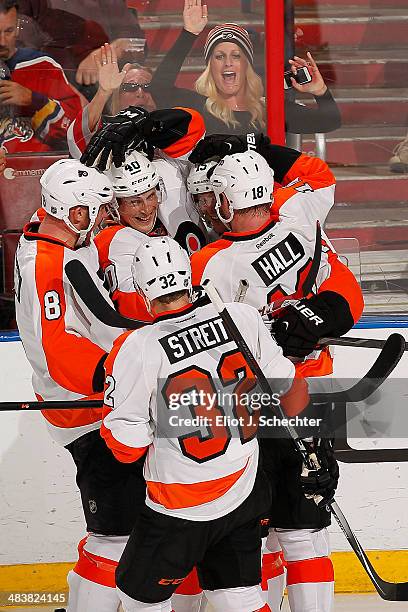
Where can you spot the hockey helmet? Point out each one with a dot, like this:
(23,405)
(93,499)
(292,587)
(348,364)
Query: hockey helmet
(246,180)
(161,266)
(136,176)
(68,183)
(198,180)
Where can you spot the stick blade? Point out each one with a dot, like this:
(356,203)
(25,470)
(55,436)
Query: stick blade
(401,591)
(389,358)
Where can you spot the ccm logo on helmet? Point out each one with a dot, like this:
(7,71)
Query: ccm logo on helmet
(309,314)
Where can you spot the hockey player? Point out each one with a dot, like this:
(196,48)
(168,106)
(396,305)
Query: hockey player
(138,184)
(204,491)
(173,133)
(67,347)
(271,245)
(139,191)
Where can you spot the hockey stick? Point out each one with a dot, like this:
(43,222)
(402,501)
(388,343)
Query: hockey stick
(384,364)
(89,293)
(51,405)
(356,342)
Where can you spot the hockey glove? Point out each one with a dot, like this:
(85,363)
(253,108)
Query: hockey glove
(300,326)
(219,145)
(320,483)
(125,131)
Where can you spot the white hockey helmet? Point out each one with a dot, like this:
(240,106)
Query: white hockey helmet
(68,183)
(136,176)
(246,180)
(198,181)
(161,266)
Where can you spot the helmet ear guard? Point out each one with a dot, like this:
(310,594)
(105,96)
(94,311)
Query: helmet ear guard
(220,183)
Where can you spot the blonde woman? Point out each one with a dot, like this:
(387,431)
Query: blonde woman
(229,93)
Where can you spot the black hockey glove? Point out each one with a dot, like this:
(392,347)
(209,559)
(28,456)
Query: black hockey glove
(300,327)
(124,132)
(219,145)
(321,482)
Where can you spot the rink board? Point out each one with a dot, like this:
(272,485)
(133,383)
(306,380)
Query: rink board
(40,512)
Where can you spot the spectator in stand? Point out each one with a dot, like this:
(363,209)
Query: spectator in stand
(37,104)
(229,93)
(399,159)
(71,31)
(134,90)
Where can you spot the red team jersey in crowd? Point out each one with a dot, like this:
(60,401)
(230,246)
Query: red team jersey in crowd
(64,342)
(209,470)
(276,258)
(43,126)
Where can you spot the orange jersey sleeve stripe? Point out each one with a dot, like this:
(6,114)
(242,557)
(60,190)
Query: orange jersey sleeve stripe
(71,360)
(310,570)
(313,170)
(343,282)
(175,495)
(297,398)
(200,259)
(74,418)
(123,453)
(322,366)
(186,143)
(103,241)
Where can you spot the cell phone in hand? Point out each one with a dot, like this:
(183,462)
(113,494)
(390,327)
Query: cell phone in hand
(302,77)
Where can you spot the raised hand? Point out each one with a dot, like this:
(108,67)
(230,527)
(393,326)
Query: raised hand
(195,16)
(106,62)
(317,86)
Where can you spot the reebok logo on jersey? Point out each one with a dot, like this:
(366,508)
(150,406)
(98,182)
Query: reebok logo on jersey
(279,259)
(195,339)
(308,314)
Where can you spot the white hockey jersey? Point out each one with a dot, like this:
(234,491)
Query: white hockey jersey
(276,258)
(64,343)
(200,463)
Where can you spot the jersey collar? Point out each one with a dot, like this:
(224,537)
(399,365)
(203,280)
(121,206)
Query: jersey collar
(239,236)
(174,314)
(30,232)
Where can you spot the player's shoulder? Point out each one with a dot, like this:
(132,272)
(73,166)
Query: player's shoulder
(119,238)
(107,234)
(201,258)
(241,310)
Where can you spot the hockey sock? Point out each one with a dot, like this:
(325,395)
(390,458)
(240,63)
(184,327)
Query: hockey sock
(132,605)
(273,572)
(310,575)
(188,595)
(92,581)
